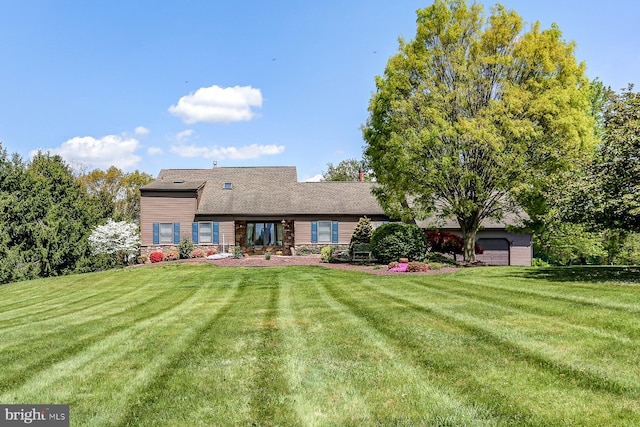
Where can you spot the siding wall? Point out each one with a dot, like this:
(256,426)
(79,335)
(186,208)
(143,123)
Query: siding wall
(166,209)
(345,231)
(521,245)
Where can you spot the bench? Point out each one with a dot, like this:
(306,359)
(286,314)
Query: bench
(360,252)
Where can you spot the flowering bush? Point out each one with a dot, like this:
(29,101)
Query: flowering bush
(393,264)
(197,253)
(117,239)
(156,257)
(212,252)
(417,266)
(447,243)
(171,255)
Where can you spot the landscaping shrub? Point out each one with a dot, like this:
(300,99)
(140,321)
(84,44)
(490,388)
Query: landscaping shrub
(362,232)
(537,262)
(197,253)
(416,266)
(267,256)
(212,252)
(326,254)
(142,259)
(396,240)
(171,255)
(185,248)
(237,252)
(447,243)
(156,257)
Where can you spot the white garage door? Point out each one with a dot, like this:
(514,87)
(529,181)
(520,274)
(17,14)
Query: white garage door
(495,251)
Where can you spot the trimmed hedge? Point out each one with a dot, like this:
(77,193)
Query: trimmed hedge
(396,240)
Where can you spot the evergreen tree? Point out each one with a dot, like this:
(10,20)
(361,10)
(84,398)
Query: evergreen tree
(362,232)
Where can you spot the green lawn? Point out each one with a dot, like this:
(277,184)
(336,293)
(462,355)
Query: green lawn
(199,345)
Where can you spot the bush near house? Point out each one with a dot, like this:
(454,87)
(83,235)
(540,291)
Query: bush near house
(326,254)
(171,255)
(447,243)
(396,240)
(185,248)
(197,253)
(156,256)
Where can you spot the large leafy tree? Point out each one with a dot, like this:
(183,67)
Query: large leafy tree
(346,170)
(46,218)
(116,192)
(617,167)
(473,113)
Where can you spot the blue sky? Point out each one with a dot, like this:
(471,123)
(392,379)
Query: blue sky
(180,84)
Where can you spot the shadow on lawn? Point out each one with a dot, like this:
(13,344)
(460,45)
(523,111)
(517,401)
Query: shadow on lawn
(596,274)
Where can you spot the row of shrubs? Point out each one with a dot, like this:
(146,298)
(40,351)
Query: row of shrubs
(172,255)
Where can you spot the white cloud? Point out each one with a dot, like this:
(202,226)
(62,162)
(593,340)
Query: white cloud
(184,135)
(218,105)
(252,151)
(153,151)
(142,131)
(316,178)
(110,150)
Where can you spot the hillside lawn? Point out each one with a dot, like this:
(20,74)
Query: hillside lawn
(200,345)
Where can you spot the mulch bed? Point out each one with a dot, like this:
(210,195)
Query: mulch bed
(277,261)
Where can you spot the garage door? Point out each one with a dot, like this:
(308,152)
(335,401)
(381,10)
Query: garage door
(495,251)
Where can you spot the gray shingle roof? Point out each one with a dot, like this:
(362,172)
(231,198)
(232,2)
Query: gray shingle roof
(268,191)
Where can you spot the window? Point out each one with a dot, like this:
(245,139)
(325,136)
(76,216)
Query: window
(324,231)
(166,233)
(205,232)
(228,186)
(264,234)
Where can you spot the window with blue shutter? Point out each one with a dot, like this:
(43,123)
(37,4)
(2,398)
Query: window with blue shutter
(334,232)
(314,232)
(194,232)
(176,233)
(216,233)
(156,233)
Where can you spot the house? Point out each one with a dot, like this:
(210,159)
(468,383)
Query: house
(266,209)
(259,209)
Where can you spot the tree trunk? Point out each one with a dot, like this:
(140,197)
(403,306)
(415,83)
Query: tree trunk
(469,229)
(469,245)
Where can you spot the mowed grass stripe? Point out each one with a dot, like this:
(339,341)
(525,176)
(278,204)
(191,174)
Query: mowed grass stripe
(621,296)
(314,346)
(113,299)
(112,372)
(58,294)
(232,373)
(380,382)
(598,320)
(526,344)
(488,367)
(35,348)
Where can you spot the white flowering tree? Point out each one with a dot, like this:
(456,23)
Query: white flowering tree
(118,239)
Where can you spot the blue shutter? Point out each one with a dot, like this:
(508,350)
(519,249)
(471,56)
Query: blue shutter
(176,233)
(334,232)
(156,233)
(216,233)
(314,232)
(194,232)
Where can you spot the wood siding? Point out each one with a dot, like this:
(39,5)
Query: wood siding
(345,231)
(166,209)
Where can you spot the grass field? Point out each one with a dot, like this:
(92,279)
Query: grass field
(199,345)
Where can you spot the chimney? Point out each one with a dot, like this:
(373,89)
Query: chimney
(361,175)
